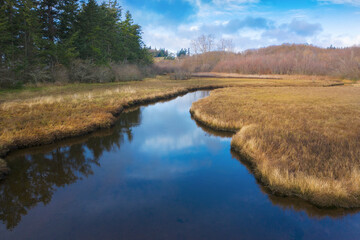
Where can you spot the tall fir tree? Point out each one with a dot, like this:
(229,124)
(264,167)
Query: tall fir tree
(67,15)
(88,28)
(7,36)
(48,14)
(68,11)
(37,34)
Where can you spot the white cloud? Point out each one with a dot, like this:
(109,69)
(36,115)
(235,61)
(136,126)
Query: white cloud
(314,26)
(169,143)
(350,2)
(346,40)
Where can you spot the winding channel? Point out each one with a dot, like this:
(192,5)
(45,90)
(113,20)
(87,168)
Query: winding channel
(156,174)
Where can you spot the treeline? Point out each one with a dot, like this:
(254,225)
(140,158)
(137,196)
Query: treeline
(162,52)
(65,40)
(284,59)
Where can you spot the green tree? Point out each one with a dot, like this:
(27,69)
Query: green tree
(7,40)
(67,36)
(182,52)
(89,30)
(37,34)
(48,14)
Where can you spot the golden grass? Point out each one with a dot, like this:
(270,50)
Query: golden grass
(43,119)
(301,141)
(292,77)
(43,114)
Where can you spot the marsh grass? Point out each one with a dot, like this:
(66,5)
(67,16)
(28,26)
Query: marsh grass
(33,116)
(301,141)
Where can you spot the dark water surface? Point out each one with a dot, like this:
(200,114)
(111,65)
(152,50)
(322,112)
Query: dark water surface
(155,175)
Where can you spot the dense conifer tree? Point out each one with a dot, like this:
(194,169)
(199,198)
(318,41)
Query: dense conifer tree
(38,34)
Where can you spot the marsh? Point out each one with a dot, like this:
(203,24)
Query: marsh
(156,174)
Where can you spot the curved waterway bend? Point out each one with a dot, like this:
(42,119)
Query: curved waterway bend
(155,175)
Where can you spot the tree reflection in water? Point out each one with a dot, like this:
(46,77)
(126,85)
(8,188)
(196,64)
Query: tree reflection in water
(183,184)
(36,173)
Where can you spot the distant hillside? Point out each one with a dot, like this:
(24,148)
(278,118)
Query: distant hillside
(284,59)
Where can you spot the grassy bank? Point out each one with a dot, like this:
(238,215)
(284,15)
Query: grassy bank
(300,141)
(34,118)
(43,114)
(40,115)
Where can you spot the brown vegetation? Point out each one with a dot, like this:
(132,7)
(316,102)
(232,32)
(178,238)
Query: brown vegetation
(4,170)
(79,71)
(284,59)
(35,116)
(300,141)
(41,115)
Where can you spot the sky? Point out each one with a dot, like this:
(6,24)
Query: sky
(173,24)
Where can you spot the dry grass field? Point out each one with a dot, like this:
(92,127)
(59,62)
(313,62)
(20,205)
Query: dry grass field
(301,141)
(40,115)
(43,114)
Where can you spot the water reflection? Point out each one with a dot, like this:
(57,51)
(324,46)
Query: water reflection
(285,203)
(294,203)
(36,175)
(155,175)
(211,132)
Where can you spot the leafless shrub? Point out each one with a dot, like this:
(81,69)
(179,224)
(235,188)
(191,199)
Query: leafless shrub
(126,72)
(7,78)
(60,74)
(180,75)
(283,59)
(39,75)
(80,71)
(87,72)
(295,59)
(169,66)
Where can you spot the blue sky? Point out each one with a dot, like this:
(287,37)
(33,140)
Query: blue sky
(172,24)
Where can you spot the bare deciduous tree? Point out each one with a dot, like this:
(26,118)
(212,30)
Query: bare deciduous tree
(203,44)
(225,45)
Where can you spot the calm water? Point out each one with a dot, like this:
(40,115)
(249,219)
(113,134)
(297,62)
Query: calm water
(155,175)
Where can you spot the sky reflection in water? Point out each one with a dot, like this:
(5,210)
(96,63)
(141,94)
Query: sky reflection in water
(155,175)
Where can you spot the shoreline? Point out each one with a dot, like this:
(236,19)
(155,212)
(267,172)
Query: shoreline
(277,188)
(199,117)
(52,138)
